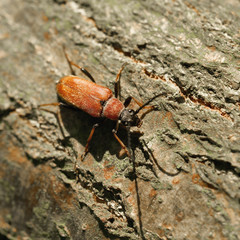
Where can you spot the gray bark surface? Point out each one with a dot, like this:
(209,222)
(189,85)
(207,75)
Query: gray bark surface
(187,152)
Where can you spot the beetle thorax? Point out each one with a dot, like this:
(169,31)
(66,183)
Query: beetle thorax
(112,108)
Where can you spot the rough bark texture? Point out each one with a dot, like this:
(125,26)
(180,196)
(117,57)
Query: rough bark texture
(188,159)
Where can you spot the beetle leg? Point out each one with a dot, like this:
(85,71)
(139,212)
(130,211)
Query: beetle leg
(120,141)
(149,107)
(89,140)
(50,104)
(70,63)
(59,118)
(130,98)
(54,104)
(117,82)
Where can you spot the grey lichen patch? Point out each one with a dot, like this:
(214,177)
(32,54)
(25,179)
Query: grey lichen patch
(168,136)
(221,215)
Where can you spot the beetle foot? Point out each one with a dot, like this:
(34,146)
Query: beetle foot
(76,172)
(82,157)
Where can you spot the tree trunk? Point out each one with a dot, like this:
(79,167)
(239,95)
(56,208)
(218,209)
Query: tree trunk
(182,181)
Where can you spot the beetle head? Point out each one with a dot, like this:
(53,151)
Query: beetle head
(128,117)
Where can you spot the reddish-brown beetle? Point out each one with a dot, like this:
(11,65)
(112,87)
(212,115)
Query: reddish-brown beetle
(98,101)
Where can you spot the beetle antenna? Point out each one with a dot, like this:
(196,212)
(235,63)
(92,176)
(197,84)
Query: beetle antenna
(146,103)
(132,155)
(129,142)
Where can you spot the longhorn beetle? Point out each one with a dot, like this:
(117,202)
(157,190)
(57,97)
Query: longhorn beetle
(98,101)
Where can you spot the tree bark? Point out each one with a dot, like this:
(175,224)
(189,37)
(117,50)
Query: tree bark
(183,182)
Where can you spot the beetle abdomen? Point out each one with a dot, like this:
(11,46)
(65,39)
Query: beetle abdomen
(83,94)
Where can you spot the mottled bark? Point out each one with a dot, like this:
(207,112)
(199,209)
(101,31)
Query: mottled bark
(187,162)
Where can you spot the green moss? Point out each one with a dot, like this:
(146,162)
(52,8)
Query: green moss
(209,193)
(217,208)
(41,211)
(63,25)
(93,59)
(157,185)
(62,230)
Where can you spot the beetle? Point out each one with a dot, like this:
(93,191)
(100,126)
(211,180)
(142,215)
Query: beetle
(99,102)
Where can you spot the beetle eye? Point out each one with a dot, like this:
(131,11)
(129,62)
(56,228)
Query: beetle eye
(130,110)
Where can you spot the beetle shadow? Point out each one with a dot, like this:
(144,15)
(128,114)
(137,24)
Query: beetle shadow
(78,125)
